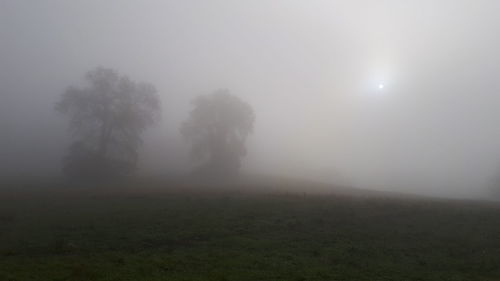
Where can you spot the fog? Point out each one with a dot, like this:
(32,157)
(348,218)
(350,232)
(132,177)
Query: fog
(311,70)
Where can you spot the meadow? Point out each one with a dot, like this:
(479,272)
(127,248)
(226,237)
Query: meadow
(179,232)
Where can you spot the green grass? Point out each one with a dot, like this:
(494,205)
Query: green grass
(153,234)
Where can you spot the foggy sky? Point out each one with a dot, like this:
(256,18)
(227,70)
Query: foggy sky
(310,69)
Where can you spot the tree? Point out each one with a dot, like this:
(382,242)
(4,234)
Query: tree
(107,118)
(217,128)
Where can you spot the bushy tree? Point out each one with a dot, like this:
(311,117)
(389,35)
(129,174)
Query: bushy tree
(216,129)
(107,118)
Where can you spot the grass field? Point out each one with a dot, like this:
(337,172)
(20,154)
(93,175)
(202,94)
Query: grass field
(167,233)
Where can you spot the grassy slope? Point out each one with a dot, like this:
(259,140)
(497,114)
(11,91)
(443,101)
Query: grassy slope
(184,234)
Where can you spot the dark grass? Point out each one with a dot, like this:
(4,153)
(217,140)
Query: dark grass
(204,234)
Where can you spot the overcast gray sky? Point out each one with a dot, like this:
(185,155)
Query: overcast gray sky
(310,69)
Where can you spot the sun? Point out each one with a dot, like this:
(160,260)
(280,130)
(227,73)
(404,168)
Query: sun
(381,86)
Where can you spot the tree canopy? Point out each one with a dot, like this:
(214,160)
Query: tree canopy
(107,118)
(217,128)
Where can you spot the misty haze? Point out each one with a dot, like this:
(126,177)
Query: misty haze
(249,140)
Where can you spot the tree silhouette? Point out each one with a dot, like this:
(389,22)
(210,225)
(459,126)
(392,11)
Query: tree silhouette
(217,128)
(107,117)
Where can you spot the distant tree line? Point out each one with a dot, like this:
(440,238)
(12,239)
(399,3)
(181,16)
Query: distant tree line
(109,115)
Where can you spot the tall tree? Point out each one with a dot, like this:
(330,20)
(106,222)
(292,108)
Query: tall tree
(107,118)
(217,128)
